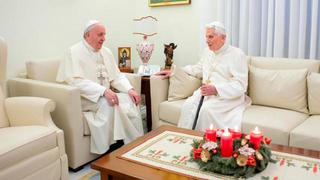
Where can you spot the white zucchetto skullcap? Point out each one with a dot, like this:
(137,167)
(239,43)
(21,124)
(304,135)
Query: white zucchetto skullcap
(89,25)
(217,26)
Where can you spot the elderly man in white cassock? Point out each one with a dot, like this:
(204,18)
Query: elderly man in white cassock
(91,67)
(224,72)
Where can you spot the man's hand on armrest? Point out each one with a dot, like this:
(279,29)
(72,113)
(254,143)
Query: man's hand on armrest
(111,97)
(134,96)
(164,73)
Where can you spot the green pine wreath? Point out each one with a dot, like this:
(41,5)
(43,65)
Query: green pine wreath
(238,165)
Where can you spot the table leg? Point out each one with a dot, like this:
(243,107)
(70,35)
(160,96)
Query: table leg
(145,89)
(105,176)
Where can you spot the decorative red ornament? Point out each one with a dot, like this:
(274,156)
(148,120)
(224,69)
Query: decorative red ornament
(214,151)
(197,153)
(267,140)
(251,157)
(235,155)
(251,161)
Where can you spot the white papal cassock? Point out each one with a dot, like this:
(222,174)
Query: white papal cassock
(227,70)
(94,72)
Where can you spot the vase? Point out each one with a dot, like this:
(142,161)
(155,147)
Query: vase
(145,50)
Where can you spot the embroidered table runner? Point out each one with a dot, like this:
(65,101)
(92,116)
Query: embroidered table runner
(171,151)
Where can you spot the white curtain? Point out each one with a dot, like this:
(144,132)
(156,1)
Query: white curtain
(273,28)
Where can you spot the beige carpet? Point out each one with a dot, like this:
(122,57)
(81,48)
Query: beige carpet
(170,150)
(85,174)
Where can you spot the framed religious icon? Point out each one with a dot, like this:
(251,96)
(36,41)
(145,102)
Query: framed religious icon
(124,59)
(154,3)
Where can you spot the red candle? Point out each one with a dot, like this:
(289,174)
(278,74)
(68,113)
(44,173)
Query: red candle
(210,134)
(256,138)
(236,134)
(226,144)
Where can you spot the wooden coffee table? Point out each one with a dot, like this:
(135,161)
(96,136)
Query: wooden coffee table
(113,167)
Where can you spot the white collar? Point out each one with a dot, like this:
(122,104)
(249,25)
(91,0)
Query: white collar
(89,47)
(222,49)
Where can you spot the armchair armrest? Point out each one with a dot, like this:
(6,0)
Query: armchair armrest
(24,111)
(159,93)
(67,114)
(135,81)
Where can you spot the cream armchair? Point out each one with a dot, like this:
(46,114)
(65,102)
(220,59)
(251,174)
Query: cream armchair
(31,146)
(40,81)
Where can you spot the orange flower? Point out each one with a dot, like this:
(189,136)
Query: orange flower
(205,155)
(242,160)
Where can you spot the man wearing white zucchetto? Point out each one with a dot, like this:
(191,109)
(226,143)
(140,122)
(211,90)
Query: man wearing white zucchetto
(224,72)
(111,114)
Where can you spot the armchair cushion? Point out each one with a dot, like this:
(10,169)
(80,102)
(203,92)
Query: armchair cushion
(314,93)
(181,85)
(274,122)
(174,107)
(307,134)
(266,88)
(45,70)
(33,140)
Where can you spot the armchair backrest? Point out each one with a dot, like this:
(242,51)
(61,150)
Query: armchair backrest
(274,63)
(46,70)
(3,64)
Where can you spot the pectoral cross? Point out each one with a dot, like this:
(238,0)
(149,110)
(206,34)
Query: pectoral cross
(100,68)
(101,78)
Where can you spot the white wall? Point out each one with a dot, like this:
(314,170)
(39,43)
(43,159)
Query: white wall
(40,29)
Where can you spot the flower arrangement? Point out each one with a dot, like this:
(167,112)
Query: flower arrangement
(246,159)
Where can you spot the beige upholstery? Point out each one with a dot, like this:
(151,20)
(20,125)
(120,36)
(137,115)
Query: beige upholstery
(3,62)
(43,70)
(307,134)
(285,63)
(3,119)
(174,107)
(159,93)
(32,147)
(266,88)
(68,113)
(181,85)
(276,121)
(314,93)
